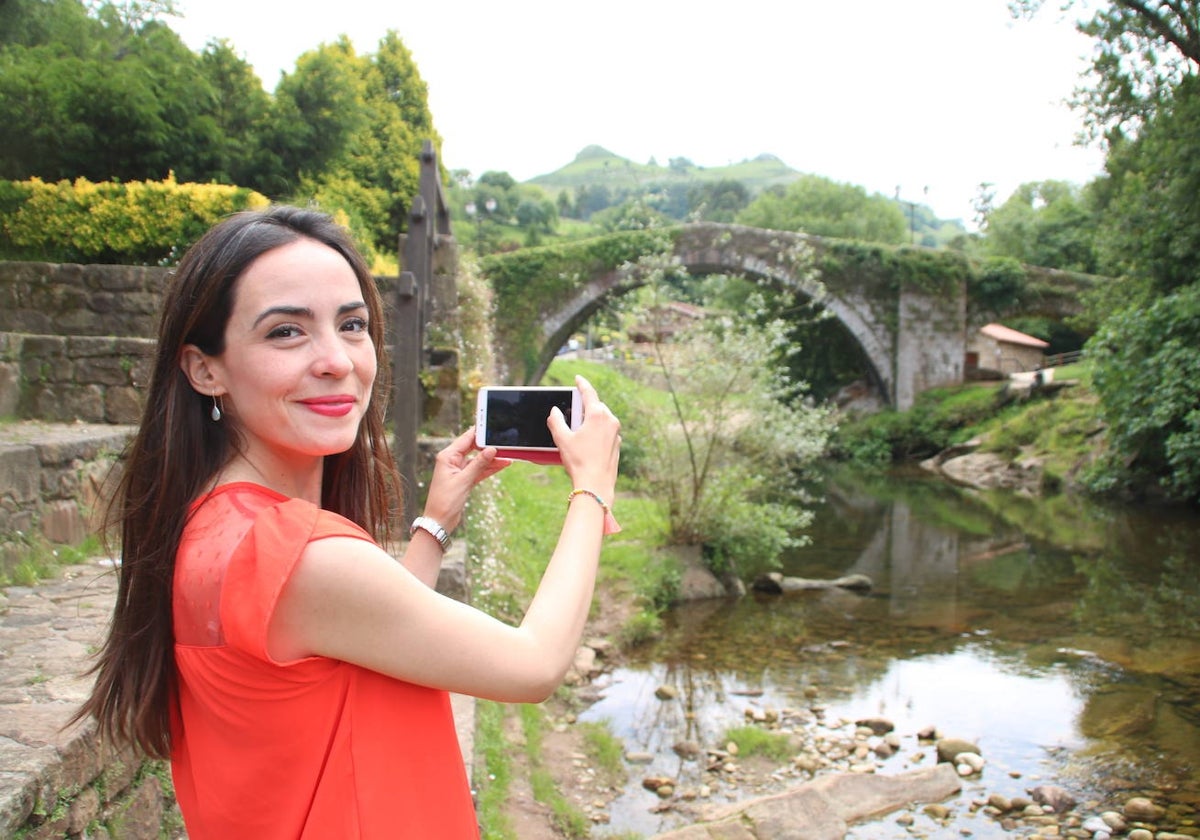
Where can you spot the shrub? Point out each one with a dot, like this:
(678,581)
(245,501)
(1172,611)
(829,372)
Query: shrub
(939,418)
(724,453)
(135,223)
(1147,375)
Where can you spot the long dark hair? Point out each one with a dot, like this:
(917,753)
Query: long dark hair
(178,450)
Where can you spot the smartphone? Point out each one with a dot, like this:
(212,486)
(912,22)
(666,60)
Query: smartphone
(512,418)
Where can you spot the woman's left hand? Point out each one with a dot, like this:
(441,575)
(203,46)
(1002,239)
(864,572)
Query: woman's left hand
(455,473)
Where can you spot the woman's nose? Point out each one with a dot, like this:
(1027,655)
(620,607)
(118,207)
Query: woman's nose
(332,357)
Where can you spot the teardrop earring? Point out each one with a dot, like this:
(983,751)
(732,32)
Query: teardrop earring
(216,410)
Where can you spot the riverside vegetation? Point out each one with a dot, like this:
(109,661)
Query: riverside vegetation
(1060,431)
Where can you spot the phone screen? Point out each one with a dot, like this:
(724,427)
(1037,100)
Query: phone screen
(517,417)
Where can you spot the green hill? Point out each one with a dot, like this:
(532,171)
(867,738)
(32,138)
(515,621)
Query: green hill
(607,180)
(596,166)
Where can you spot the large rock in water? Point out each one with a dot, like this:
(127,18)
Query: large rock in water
(964,465)
(822,809)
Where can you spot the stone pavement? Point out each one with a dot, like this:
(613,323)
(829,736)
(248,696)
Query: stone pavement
(57,782)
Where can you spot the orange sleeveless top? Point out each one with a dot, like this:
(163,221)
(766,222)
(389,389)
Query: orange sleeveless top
(315,748)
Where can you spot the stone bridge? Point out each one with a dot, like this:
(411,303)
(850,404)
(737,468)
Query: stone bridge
(908,309)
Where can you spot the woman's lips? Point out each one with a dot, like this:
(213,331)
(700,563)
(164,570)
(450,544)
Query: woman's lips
(338,406)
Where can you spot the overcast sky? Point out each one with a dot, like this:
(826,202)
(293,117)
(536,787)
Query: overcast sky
(931,96)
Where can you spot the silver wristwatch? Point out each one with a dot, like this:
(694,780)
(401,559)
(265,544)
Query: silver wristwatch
(431,527)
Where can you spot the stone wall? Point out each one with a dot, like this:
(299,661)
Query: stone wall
(930,342)
(77,300)
(54,483)
(93,300)
(76,341)
(68,379)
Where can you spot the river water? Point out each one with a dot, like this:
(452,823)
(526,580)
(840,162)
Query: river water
(1061,637)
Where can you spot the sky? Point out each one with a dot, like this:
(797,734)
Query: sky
(927,98)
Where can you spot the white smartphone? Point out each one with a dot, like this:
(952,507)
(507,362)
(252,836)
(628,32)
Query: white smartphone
(512,418)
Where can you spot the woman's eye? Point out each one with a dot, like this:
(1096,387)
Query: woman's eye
(355,325)
(284,331)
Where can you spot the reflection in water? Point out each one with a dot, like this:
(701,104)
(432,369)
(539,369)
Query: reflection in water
(1060,637)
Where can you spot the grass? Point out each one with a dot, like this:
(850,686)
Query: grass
(939,418)
(1060,429)
(1081,371)
(751,740)
(40,559)
(604,749)
(493,770)
(513,529)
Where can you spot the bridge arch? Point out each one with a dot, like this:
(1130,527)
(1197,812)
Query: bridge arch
(912,336)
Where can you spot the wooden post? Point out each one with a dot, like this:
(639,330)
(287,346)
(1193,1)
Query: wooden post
(428,217)
(406,393)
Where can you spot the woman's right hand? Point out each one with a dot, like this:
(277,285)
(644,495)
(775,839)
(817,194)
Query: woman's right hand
(590,454)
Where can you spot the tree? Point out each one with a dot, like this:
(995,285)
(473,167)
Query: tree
(243,112)
(1147,373)
(400,124)
(718,201)
(1146,104)
(1150,221)
(127,101)
(822,207)
(344,118)
(1046,223)
(116,94)
(1144,50)
(319,107)
(536,214)
(725,450)
(184,99)
(31,23)
(634,214)
(589,200)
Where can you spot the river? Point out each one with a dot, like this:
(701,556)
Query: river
(1061,637)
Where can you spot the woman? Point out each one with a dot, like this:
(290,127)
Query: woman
(295,674)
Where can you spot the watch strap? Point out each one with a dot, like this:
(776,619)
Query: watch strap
(433,528)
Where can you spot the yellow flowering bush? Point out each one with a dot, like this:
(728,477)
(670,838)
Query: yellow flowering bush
(135,223)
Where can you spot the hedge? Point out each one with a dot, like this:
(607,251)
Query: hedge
(135,223)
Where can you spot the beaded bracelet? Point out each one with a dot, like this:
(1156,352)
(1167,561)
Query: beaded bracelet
(610,522)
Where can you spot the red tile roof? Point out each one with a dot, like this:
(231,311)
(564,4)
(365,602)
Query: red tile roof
(1011,336)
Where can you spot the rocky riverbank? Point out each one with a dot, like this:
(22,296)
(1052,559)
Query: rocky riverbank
(939,785)
(966,466)
(925,784)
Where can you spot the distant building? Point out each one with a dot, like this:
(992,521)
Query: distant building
(997,351)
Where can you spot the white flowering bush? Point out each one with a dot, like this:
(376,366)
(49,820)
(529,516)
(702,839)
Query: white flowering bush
(727,446)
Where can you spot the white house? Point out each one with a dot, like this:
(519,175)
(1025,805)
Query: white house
(998,349)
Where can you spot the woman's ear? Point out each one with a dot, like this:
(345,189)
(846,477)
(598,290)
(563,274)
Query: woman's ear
(200,371)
